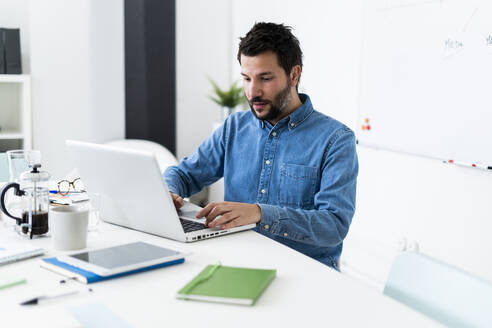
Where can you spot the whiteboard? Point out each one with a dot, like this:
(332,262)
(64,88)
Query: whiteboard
(426,79)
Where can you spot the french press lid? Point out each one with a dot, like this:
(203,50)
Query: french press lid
(34,176)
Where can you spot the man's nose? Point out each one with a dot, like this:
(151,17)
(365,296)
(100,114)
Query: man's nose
(254,90)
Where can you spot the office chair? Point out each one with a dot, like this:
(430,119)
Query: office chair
(164,157)
(440,291)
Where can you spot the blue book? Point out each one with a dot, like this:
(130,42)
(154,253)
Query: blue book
(87,277)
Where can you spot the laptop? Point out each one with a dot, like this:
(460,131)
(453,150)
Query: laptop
(135,195)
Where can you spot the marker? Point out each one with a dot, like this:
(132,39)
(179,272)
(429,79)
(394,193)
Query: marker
(472,165)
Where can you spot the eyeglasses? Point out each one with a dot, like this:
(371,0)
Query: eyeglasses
(65,186)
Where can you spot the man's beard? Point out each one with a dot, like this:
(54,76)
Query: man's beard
(277,106)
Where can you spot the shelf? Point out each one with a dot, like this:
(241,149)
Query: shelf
(14,78)
(11,135)
(15,111)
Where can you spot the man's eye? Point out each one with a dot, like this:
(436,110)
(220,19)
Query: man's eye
(246,78)
(267,79)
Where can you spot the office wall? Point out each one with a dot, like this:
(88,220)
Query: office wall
(202,49)
(77,75)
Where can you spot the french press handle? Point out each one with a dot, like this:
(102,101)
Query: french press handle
(17,191)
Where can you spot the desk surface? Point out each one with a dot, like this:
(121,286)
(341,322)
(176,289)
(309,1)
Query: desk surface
(305,292)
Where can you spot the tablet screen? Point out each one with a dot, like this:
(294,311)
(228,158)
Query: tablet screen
(129,254)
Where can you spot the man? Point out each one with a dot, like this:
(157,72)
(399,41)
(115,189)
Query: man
(286,167)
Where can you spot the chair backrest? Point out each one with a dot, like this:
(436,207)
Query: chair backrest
(440,291)
(164,157)
(4,168)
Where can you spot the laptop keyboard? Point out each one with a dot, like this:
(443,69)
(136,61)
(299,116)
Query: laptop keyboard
(190,226)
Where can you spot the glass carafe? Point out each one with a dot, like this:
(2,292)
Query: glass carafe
(34,200)
(18,162)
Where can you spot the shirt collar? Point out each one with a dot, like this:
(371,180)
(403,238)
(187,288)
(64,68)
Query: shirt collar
(301,113)
(297,116)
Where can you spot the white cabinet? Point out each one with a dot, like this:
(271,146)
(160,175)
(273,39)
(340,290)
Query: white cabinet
(15,112)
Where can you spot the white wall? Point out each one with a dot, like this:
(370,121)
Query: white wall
(77,61)
(445,209)
(202,49)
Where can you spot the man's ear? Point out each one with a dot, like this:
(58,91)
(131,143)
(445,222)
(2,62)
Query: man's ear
(295,73)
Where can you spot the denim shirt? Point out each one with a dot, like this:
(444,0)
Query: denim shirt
(301,172)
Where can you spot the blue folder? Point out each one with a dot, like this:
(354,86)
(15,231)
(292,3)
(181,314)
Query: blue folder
(90,277)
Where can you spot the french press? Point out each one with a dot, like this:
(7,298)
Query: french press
(34,201)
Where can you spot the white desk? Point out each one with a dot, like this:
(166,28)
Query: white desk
(304,293)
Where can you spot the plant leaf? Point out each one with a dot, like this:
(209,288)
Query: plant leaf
(227,98)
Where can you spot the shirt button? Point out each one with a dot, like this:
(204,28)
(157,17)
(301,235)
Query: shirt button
(267,162)
(274,134)
(285,234)
(292,124)
(267,226)
(263,191)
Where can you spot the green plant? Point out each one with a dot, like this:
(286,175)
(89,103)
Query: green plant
(228,98)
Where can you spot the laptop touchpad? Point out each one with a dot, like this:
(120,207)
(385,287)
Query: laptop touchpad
(187,214)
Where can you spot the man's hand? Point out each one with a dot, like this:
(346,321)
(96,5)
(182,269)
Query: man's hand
(230,214)
(178,200)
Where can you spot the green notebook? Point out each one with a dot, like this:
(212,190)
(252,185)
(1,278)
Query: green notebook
(225,284)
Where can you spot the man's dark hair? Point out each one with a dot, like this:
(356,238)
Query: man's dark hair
(272,37)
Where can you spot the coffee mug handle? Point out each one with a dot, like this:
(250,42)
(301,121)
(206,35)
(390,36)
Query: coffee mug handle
(18,192)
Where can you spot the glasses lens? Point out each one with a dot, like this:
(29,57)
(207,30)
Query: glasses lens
(63,187)
(78,185)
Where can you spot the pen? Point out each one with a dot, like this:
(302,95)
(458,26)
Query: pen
(70,192)
(36,300)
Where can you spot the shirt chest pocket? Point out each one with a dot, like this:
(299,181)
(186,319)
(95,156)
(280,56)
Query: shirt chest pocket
(297,184)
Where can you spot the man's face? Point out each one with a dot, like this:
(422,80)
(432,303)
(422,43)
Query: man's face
(266,86)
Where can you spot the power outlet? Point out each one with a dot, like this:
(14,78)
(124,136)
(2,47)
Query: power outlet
(401,244)
(413,246)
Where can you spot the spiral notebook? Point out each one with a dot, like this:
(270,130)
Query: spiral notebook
(17,253)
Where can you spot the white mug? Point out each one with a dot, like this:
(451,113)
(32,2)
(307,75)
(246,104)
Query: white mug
(68,226)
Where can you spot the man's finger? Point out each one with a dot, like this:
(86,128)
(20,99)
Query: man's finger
(177,200)
(204,211)
(178,204)
(219,209)
(212,210)
(229,216)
